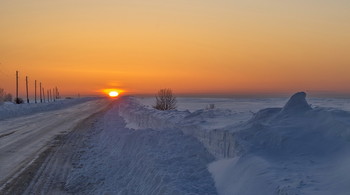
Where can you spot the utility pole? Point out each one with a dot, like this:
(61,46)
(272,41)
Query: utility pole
(54,94)
(50,95)
(41,97)
(27,89)
(35,92)
(43,94)
(16,87)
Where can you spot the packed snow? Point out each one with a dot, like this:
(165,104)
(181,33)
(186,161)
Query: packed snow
(119,160)
(22,139)
(10,110)
(297,148)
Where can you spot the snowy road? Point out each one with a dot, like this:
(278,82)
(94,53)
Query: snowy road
(102,156)
(23,139)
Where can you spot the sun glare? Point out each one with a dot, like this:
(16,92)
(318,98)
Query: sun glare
(113,94)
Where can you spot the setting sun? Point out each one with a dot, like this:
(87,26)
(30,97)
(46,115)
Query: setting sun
(113,94)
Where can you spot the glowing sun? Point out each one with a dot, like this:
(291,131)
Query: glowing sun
(113,94)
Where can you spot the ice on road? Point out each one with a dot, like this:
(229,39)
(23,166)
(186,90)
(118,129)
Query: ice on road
(23,139)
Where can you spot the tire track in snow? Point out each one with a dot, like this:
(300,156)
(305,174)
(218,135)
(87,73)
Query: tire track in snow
(34,134)
(102,156)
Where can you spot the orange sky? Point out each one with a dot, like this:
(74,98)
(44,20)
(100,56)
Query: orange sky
(191,46)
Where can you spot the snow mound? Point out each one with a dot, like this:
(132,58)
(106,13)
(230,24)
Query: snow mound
(295,149)
(296,104)
(304,153)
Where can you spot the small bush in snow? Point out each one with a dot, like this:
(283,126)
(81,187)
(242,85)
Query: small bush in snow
(165,100)
(5,97)
(8,97)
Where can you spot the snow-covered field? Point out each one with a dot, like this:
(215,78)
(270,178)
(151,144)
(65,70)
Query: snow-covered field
(241,146)
(245,104)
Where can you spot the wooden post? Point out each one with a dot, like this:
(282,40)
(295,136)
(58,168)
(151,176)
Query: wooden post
(57,93)
(16,86)
(54,94)
(35,93)
(27,89)
(43,94)
(48,96)
(41,97)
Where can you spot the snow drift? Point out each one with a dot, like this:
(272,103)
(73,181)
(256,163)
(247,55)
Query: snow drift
(290,150)
(118,160)
(296,149)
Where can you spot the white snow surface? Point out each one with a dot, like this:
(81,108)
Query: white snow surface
(291,148)
(10,110)
(242,146)
(245,104)
(119,160)
(23,138)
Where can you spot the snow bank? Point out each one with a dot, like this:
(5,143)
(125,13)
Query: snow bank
(295,149)
(206,125)
(118,160)
(139,116)
(17,110)
(289,150)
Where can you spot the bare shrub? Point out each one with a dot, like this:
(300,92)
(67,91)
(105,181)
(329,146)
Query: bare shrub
(165,100)
(5,97)
(8,97)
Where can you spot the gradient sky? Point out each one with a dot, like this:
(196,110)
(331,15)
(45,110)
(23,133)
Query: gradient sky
(191,46)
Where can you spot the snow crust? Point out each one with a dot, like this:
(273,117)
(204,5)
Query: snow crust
(294,149)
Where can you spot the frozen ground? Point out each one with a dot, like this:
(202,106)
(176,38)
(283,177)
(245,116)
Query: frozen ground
(242,146)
